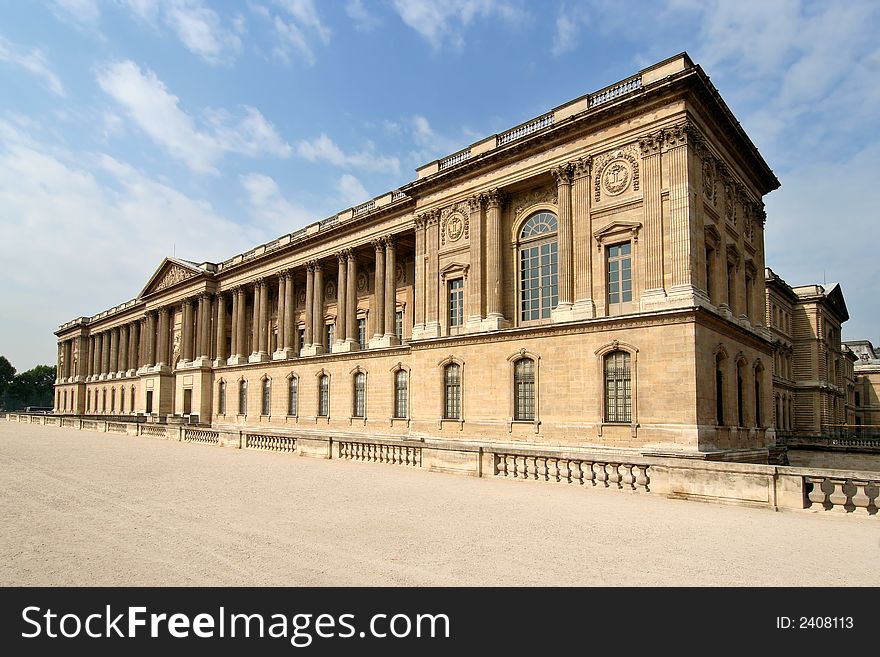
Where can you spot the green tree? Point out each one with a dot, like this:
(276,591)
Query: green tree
(7,373)
(32,388)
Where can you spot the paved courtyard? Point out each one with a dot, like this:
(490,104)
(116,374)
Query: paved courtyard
(85,508)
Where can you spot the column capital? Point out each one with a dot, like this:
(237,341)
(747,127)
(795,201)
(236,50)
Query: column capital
(494,198)
(650,144)
(390,241)
(475,202)
(680,135)
(343,256)
(562,173)
(581,167)
(258,282)
(378,244)
(419,220)
(205,296)
(311,265)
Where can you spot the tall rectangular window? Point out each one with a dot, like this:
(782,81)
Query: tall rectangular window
(221,398)
(452,385)
(149,401)
(456,302)
(242,398)
(710,283)
(362,332)
(359,406)
(324,396)
(401,393)
(187,401)
(266,402)
(328,337)
(131,410)
(619,278)
(398,325)
(292,395)
(524,389)
(302,338)
(618,387)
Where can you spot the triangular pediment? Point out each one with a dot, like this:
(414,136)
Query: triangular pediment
(171,272)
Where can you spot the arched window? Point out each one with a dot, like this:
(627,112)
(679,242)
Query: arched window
(538,267)
(266,398)
(618,387)
(759,417)
(112,400)
(452,386)
(719,389)
(524,389)
(324,396)
(401,394)
(122,400)
(132,407)
(292,395)
(242,397)
(221,398)
(359,405)
(104,400)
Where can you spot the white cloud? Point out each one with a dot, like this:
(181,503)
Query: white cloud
(156,111)
(196,25)
(567,32)
(432,143)
(83,13)
(351,191)
(363,20)
(444,21)
(323,149)
(71,223)
(268,206)
(32,61)
(295,26)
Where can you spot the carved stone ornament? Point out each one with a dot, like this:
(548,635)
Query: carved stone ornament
(301,298)
(175,274)
(330,291)
(523,200)
(454,227)
(362,282)
(616,171)
(616,177)
(709,179)
(399,273)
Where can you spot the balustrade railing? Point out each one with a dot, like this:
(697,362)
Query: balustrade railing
(526,128)
(91,425)
(831,493)
(455,158)
(625,476)
(269,443)
(616,91)
(155,430)
(204,436)
(380,453)
(363,208)
(117,427)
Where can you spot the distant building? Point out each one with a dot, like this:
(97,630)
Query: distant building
(866,371)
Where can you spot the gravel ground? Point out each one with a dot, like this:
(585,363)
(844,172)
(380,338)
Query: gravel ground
(85,508)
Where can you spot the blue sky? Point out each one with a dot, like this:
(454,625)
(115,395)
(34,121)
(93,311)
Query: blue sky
(131,129)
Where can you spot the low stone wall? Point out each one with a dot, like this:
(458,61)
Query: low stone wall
(845,491)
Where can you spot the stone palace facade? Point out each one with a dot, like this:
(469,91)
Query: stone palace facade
(592,277)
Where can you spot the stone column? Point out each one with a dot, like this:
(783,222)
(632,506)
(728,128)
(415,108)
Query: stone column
(494,317)
(309,309)
(255,324)
(122,367)
(681,215)
(239,336)
(105,354)
(318,312)
(264,321)
(98,360)
(562,312)
(379,295)
(186,339)
(432,276)
(150,340)
(113,365)
(82,360)
(162,357)
(390,338)
(341,306)
(134,339)
(233,334)
(582,236)
(281,316)
(475,273)
(288,341)
(419,286)
(654,293)
(65,358)
(220,337)
(89,356)
(351,339)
